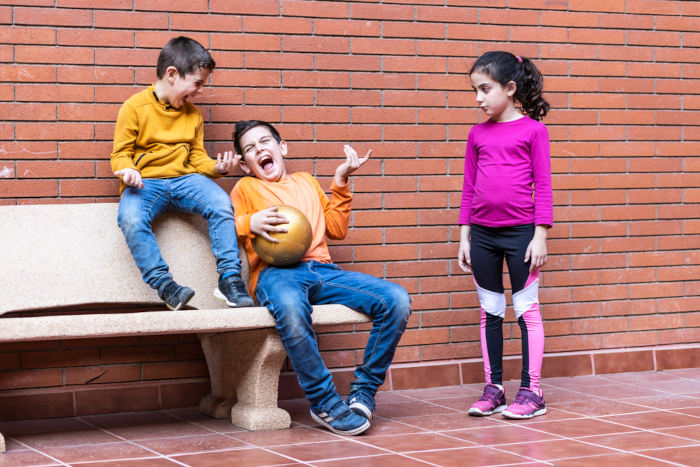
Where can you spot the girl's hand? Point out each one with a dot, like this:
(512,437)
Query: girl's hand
(268,220)
(225,163)
(536,251)
(351,164)
(464,257)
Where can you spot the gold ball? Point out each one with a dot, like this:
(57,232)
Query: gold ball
(292,244)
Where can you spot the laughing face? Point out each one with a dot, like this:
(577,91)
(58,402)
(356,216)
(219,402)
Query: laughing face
(185,87)
(263,156)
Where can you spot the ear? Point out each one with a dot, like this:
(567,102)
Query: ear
(511,87)
(171,73)
(283,147)
(244,166)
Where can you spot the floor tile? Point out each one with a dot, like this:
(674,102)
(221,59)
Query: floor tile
(388,460)
(147,425)
(238,457)
(296,435)
(612,460)
(66,438)
(384,426)
(577,427)
(151,462)
(596,407)
(502,434)
(682,455)
(468,457)
(635,441)
(192,444)
(25,458)
(653,420)
(689,431)
(342,449)
(97,452)
(555,449)
(407,409)
(418,442)
(665,402)
(451,421)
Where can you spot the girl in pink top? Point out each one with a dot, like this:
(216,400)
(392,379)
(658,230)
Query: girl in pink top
(505,212)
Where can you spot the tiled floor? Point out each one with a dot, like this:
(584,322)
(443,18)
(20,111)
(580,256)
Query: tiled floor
(633,419)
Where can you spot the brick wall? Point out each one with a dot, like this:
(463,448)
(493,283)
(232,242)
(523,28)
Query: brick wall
(623,77)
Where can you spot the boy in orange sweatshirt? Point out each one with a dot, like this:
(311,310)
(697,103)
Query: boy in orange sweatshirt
(289,292)
(160,157)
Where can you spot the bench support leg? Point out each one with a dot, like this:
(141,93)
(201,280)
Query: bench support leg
(244,367)
(2,443)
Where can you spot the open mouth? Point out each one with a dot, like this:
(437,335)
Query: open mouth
(266,162)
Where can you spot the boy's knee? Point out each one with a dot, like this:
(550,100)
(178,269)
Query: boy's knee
(399,302)
(130,221)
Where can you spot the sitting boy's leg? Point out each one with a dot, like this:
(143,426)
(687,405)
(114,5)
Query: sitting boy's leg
(137,210)
(285,293)
(200,195)
(388,304)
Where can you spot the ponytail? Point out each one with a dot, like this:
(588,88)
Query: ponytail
(505,67)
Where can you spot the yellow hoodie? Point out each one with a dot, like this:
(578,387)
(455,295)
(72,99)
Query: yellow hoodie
(158,140)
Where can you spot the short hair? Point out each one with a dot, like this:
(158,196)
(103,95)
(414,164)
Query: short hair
(242,128)
(186,55)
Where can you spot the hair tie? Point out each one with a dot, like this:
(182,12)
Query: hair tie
(517,57)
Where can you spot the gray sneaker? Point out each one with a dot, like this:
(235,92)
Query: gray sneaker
(175,296)
(232,291)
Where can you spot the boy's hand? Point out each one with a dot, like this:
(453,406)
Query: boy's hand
(130,177)
(268,220)
(225,163)
(351,164)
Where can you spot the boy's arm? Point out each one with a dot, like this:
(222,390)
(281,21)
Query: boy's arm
(126,131)
(336,211)
(242,209)
(199,159)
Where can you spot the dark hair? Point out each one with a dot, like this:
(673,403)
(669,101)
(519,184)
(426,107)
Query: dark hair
(244,125)
(504,67)
(186,55)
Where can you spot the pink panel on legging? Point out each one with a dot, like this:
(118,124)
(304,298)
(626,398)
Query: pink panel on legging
(484,349)
(535,344)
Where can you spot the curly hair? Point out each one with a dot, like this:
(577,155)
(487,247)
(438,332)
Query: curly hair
(504,67)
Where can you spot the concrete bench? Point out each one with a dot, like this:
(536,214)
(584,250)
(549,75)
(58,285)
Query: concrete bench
(57,256)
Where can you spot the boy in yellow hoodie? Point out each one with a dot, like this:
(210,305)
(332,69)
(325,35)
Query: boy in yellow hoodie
(160,157)
(289,292)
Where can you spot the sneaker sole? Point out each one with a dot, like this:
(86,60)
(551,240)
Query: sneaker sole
(325,424)
(182,303)
(515,416)
(361,409)
(478,413)
(220,296)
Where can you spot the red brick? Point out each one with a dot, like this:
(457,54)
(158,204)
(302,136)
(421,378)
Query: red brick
(287,60)
(52,16)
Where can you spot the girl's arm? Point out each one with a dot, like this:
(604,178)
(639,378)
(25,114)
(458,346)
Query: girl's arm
(464,255)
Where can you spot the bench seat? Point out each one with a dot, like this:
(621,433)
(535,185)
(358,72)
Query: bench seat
(64,256)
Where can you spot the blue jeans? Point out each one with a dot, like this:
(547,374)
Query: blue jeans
(193,193)
(288,293)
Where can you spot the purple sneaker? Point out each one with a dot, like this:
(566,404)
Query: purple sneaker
(493,401)
(527,404)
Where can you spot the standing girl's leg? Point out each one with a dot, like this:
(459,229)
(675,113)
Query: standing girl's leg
(525,285)
(487,267)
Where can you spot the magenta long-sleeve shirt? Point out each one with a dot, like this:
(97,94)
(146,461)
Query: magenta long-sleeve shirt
(507,175)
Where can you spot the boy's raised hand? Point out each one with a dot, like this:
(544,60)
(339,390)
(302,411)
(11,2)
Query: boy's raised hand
(130,177)
(351,164)
(226,162)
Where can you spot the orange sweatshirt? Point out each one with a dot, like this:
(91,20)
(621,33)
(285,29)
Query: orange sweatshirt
(302,191)
(158,140)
